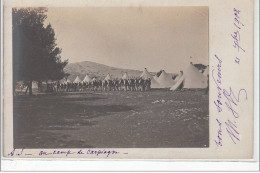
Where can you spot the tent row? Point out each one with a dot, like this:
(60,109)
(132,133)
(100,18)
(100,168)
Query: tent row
(89,79)
(78,80)
(191,77)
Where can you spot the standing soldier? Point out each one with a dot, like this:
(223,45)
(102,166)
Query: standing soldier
(207,90)
(121,84)
(149,84)
(126,84)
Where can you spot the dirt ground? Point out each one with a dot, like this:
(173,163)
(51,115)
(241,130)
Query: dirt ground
(153,119)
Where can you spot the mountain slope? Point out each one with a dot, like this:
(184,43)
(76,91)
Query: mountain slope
(97,70)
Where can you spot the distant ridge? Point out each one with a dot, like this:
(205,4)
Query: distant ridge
(97,70)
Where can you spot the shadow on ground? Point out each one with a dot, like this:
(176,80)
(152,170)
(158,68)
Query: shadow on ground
(35,117)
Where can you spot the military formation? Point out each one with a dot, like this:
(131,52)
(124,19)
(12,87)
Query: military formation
(145,82)
(138,84)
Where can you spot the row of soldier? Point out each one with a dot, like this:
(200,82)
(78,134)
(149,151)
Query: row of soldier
(138,84)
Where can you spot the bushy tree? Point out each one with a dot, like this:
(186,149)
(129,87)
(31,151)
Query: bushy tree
(200,66)
(36,56)
(158,73)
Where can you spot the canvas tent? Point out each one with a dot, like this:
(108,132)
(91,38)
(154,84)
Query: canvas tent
(206,71)
(68,81)
(165,80)
(94,79)
(155,77)
(108,77)
(87,79)
(191,78)
(21,86)
(178,76)
(34,85)
(125,76)
(77,80)
(62,81)
(147,75)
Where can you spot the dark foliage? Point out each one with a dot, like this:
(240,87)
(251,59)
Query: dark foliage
(36,56)
(200,66)
(158,73)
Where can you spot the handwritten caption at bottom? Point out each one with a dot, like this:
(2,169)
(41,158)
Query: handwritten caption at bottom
(66,153)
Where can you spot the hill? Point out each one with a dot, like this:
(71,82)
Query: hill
(97,70)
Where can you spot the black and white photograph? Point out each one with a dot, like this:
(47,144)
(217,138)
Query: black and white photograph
(110,77)
(129,85)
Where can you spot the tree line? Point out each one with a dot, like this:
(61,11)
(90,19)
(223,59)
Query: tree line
(36,56)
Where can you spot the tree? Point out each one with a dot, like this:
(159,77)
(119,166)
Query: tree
(158,73)
(200,66)
(36,56)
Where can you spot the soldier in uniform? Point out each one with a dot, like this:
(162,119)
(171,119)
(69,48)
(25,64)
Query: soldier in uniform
(207,90)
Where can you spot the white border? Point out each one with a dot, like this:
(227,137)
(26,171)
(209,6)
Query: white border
(47,165)
(256,81)
(1,80)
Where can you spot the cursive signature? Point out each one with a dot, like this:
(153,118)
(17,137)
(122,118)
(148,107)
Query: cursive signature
(232,131)
(231,103)
(233,100)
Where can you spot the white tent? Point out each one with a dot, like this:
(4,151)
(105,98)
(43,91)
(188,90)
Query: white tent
(77,80)
(94,79)
(87,79)
(68,81)
(165,80)
(191,78)
(62,81)
(178,84)
(178,76)
(34,85)
(147,75)
(206,71)
(108,77)
(125,76)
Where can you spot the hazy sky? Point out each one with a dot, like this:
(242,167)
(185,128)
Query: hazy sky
(131,37)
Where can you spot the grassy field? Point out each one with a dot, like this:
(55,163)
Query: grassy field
(153,119)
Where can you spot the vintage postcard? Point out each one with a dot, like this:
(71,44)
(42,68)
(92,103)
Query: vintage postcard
(128,79)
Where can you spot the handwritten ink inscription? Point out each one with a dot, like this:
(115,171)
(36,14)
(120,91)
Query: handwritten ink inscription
(238,26)
(217,76)
(231,100)
(95,152)
(232,131)
(219,140)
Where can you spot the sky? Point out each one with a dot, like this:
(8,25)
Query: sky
(155,38)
